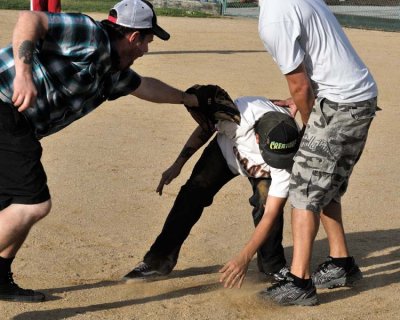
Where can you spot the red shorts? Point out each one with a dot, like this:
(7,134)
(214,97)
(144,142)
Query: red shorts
(46,5)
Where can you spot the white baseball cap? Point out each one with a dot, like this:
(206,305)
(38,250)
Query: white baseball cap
(138,14)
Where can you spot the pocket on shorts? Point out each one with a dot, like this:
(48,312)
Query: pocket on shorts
(312,183)
(13,122)
(327,166)
(363,112)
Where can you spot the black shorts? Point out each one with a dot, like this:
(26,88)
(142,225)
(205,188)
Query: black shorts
(22,176)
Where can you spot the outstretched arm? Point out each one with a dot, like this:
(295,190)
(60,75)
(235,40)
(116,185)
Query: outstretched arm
(30,27)
(197,139)
(154,90)
(234,271)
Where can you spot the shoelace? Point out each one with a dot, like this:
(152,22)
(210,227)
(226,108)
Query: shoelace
(284,271)
(11,280)
(324,266)
(142,267)
(16,287)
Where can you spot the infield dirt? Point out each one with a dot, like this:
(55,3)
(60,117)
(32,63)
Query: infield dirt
(103,171)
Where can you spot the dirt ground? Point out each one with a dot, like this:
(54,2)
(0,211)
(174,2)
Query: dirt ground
(103,171)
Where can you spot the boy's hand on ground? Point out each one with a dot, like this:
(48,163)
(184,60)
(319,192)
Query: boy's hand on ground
(234,272)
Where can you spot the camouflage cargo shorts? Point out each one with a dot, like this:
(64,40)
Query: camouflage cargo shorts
(332,144)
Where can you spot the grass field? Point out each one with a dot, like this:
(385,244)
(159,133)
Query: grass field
(99,6)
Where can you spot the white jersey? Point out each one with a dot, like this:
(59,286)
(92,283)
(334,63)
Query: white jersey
(240,149)
(294,31)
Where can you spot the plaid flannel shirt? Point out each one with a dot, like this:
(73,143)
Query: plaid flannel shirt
(72,73)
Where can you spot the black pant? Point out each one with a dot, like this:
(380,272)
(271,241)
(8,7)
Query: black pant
(210,173)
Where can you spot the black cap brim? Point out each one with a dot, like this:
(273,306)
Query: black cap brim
(160,32)
(278,161)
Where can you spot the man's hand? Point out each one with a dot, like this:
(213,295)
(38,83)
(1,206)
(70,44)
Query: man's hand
(234,271)
(24,92)
(168,175)
(287,103)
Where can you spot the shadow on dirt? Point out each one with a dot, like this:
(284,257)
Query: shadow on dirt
(376,252)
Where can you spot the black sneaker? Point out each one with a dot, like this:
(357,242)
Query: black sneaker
(10,291)
(279,275)
(143,271)
(328,275)
(285,293)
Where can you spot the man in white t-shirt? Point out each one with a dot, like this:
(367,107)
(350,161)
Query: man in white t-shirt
(321,67)
(234,151)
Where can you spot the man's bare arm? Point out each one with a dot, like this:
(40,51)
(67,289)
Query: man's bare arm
(30,27)
(301,91)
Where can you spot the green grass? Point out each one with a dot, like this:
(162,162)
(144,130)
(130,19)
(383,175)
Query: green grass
(175,12)
(67,5)
(98,6)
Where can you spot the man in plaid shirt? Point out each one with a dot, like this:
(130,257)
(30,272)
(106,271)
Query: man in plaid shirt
(59,68)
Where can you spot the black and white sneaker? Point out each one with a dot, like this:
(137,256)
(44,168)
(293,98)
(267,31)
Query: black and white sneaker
(143,271)
(286,292)
(10,291)
(281,274)
(328,275)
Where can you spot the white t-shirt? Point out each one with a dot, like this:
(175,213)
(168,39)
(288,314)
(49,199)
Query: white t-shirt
(294,31)
(240,149)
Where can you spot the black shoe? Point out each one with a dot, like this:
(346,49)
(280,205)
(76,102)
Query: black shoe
(328,275)
(144,271)
(10,291)
(279,275)
(286,292)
